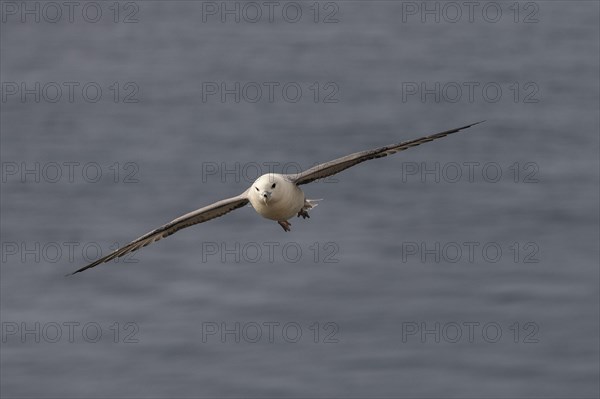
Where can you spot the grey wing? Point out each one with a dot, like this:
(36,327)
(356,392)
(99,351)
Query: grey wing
(201,215)
(337,165)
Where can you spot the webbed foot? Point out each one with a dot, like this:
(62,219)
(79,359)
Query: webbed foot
(303,213)
(285,225)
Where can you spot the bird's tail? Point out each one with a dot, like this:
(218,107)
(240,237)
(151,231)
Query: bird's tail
(311,203)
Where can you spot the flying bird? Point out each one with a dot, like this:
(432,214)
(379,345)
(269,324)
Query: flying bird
(274,196)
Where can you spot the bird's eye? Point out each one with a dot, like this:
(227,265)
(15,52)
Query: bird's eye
(273,186)
(256,188)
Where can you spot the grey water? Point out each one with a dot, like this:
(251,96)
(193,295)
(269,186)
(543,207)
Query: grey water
(466,267)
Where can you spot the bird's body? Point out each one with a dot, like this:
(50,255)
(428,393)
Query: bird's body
(274,196)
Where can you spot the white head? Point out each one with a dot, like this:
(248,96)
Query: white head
(268,188)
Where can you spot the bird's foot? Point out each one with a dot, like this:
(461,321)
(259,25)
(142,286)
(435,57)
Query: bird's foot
(308,204)
(285,225)
(303,213)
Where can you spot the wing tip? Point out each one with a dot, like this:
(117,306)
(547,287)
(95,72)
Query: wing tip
(77,271)
(475,123)
(94,264)
(464,127)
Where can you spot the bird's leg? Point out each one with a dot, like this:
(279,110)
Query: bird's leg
(303,213)
(285,225)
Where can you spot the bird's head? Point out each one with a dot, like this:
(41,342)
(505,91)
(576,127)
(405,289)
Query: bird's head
(267,188)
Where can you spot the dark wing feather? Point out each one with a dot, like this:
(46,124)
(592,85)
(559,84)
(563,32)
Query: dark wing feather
(201,215)
(337,165)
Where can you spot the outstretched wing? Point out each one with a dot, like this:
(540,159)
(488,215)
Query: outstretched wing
(337,165)
(201,215)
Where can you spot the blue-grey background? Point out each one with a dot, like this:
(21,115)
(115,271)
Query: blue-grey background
(369,216)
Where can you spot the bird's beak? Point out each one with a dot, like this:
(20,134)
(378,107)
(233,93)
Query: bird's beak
(265,196)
